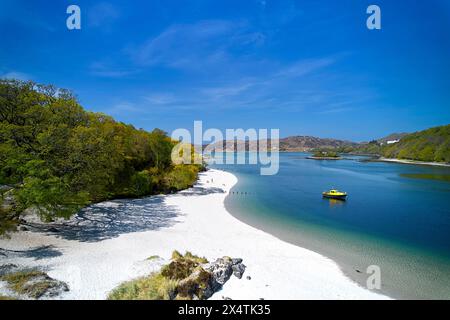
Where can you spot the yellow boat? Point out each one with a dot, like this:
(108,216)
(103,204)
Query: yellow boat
(335,194)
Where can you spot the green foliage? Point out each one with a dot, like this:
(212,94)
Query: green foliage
(180,177)
(154,287)
(432,145)
(154,257)
(176,255)
(182,266)
(172,282)
(195,285)
(33,283)
(8,220)
(190,256)
(325,154)
(59,157)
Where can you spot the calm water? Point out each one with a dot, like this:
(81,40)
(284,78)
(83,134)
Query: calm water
(396,217)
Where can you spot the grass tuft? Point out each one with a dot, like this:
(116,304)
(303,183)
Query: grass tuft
(182,278)
(154,287)
(33,283)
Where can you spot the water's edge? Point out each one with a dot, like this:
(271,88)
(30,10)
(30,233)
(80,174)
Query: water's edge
(346,267)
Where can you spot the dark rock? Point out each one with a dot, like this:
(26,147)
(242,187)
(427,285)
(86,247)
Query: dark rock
(358,271)
(52,229)
(238,269)
(221,270)
(201,281)
(23,228)
(249,278)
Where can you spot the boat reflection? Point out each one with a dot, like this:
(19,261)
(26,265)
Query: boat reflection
(334,203)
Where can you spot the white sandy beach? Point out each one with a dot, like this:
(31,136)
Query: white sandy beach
(437,164)
(278,270)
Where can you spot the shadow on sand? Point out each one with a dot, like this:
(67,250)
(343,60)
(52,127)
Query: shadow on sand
(110,219)
(38,253)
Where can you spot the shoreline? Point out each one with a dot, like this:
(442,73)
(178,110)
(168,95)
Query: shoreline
(202,225)
(325,158)
(413,162)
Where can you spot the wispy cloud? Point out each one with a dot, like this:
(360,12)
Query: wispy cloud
(304,67)
(195,45)
(123,108)
(160,99)
(107,70)
(16,75)
(224,75)
(102,15)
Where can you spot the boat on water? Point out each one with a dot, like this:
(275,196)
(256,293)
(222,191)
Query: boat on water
(335,194)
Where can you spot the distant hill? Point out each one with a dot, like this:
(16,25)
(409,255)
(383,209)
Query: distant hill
(392,137)
(431,145)
(289,144)
(239,145)
(428,145)
(308,143)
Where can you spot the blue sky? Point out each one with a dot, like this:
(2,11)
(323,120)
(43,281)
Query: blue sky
(306,67)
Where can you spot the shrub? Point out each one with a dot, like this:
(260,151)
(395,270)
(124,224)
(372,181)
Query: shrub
(182,278)
(33,284)
(154,287)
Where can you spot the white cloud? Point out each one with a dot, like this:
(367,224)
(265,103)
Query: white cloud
(195,46)
(104,69)
(160,98)
(304,67)
(16,75)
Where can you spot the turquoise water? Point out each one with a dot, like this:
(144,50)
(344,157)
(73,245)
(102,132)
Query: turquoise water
(391,219)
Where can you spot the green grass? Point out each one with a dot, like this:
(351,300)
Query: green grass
(155,257)
(172,282)
(182,266)
(194,285)
(154,287)
(189,255)
(24,283)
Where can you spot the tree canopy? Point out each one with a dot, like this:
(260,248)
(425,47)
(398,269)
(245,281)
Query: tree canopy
(56,157)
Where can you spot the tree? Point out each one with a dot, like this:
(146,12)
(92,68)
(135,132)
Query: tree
(58,157)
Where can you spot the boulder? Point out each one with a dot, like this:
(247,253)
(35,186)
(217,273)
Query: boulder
(202,281)
(238,270)
(221,270)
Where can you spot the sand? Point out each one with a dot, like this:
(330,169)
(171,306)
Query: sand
(195,220)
